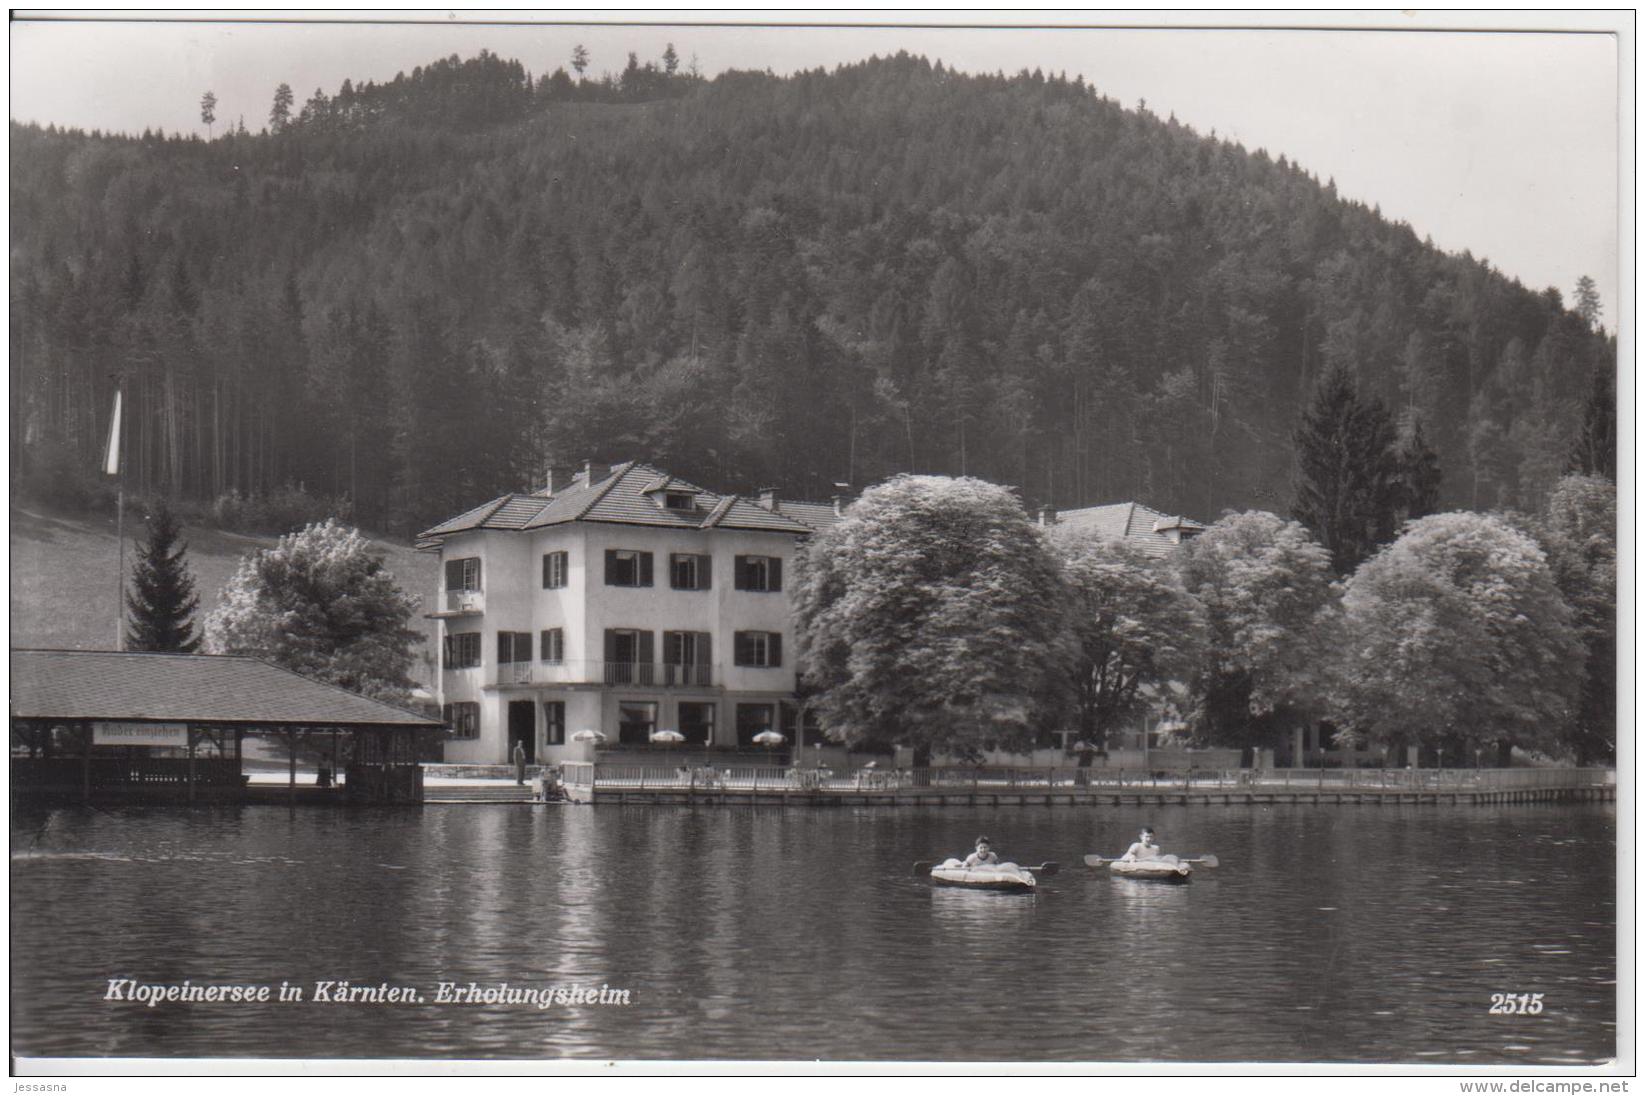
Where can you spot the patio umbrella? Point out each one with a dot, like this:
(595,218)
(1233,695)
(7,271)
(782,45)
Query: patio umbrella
(588,736)
(769,738)
(670,737)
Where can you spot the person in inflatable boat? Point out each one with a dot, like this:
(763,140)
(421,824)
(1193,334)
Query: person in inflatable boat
(984,856)
(1143,848)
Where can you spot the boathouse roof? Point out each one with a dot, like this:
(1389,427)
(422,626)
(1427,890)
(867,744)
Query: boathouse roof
(131,686)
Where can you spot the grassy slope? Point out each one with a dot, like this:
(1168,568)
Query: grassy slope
(62,577)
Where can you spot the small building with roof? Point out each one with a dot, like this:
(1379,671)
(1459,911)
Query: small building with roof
(617,603)
(111,723)
(1156,533)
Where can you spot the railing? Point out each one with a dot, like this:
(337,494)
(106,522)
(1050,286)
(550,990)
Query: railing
(594,672)
(710,777)
(464,601)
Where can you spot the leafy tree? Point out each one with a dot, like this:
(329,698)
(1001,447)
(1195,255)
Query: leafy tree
(321,603)
(1457,638)
(1135,628)
(162,600)
(208,110)
(932,616)
(279,116)
(1266,591)
(579,59)
(1579,533)
(1347,470)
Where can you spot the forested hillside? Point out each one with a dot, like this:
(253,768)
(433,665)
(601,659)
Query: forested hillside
(420,294)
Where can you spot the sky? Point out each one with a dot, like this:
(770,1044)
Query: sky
(1502,144)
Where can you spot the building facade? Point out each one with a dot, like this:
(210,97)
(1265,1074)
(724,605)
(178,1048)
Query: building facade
(618,600)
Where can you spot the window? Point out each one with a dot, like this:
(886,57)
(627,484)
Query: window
(463,574)
(462,650)
(628,656)
(554,570)
(686,572)
(553,645)
(760,573)
(513,646)
(687,657)
(463,717)
(636,719)
(679,500)
(751,720)
(697,722)
(554,723)
(758,649)
(626,568)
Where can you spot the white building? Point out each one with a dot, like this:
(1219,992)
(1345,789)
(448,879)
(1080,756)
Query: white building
(620,600)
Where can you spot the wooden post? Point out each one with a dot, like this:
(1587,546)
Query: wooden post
(291,749)
(191,740)
(85,762)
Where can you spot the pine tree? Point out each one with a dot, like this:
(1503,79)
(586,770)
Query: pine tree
(1594,452)
(1346,488)
(671,60)
(579,59)
(280,115)
(162,599)
(1587,301)
(1419,475)
(208,111)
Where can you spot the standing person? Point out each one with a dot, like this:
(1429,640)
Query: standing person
(519,763)
(1143,848)
(983,857)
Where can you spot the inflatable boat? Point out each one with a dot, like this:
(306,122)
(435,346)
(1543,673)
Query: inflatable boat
(1167,869)
(997,877)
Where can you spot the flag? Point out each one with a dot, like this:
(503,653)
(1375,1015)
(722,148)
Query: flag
(111,459)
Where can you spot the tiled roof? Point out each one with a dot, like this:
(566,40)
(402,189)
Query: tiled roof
(1139,524)
(818,515)
(623,497)
(116,685)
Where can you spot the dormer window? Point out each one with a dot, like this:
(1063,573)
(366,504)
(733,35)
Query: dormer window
(678,500)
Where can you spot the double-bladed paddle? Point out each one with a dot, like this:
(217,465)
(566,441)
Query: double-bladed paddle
(1047,869)
(1094,861)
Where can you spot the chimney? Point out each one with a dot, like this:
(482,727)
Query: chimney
(839,499)
(1048,515)
(560,477)
(768,498)
(593,473)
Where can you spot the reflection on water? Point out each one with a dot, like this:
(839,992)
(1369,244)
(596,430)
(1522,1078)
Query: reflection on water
(1329,933)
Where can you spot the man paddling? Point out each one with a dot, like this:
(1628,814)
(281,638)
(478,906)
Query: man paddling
(1143,848)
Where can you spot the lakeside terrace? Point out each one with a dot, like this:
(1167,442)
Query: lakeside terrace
(587,782)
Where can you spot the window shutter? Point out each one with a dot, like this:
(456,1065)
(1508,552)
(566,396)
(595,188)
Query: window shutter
(705,643)
(776,573)
(454,574)
(505,649)
(610,641)
(705,572)
(648,648)
(611,567)
(671,648)
(446,652)
(522,647)
(739,649)
(741,574)
(645,569)
(776,648)
(548,570)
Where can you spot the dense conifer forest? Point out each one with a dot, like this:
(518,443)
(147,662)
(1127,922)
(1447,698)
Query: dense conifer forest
(420,294)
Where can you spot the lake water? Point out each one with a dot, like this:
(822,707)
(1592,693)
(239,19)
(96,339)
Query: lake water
(1330,933)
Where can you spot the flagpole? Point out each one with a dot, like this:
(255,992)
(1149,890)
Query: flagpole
(112,466)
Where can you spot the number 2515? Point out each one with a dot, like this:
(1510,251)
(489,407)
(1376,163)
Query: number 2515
(1516,1004)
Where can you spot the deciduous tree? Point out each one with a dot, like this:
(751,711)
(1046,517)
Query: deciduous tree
(321,603)
(1457,637)
(933,616)
(1579,533)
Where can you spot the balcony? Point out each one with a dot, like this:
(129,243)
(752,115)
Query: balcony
(593,672)
(459,603)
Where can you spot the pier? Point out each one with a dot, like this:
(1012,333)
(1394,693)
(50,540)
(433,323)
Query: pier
(592,783)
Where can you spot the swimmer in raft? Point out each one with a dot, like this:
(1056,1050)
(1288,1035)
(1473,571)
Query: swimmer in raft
(984,856)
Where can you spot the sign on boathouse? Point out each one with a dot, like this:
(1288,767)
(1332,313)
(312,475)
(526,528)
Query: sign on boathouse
(108,733)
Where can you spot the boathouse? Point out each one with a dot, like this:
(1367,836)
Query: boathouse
(113,724)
